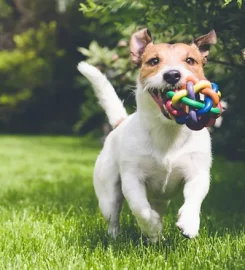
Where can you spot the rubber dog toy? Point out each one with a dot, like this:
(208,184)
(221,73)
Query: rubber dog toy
(186,107)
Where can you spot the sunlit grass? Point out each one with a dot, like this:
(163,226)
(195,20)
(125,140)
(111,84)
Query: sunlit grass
(50,219)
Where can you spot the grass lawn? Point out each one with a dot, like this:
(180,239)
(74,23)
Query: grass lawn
(49,218)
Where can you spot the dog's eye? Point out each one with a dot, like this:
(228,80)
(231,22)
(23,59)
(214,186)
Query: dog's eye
(190,61)
(153,62)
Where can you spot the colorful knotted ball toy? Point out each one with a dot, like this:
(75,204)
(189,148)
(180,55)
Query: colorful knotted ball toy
(186,106)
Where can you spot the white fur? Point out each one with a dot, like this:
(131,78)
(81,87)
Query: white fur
(219,120)
(148,154)
(105,93)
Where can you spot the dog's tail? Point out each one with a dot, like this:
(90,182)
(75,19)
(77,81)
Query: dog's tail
(105,93)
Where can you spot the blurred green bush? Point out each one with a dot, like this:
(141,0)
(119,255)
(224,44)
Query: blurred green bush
(29,64)
(38,57)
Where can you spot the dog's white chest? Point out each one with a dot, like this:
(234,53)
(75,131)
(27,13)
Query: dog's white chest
(162,177)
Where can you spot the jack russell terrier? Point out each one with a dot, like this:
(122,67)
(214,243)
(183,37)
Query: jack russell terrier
(147,153)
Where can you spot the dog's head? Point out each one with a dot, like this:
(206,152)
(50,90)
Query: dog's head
(167,66)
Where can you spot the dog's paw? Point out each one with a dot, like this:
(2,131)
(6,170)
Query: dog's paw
(188,221)
(155,239)
(114,230)
(150,224)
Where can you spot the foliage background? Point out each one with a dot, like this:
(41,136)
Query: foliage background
(41,43)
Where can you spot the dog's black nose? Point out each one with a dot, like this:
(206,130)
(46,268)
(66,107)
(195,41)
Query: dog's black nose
(172,76)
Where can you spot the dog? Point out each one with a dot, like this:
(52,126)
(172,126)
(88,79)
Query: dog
(147,157)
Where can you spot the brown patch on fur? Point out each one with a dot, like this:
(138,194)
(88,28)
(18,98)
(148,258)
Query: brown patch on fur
(119,122)
(171,54)
(203,43)
(138,42)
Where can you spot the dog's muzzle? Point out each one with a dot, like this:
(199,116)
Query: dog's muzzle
(160,97)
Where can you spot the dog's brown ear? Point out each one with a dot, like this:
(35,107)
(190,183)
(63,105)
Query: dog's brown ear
(138,43)
(204,42)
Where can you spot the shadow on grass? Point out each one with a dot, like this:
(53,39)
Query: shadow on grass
(51,196)
(226,199)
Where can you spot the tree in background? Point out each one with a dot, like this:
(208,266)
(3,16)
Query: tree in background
(178,21)
(38,58)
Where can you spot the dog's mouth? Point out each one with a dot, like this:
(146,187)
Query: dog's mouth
(160,97)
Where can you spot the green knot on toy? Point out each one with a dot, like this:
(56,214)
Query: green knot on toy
(185,106)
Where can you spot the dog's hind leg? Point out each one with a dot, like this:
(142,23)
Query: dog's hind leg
(107,186)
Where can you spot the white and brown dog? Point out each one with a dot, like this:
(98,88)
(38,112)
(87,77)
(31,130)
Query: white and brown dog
(148,153)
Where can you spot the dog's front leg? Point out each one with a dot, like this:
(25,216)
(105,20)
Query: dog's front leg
(195,190)
(134,190)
